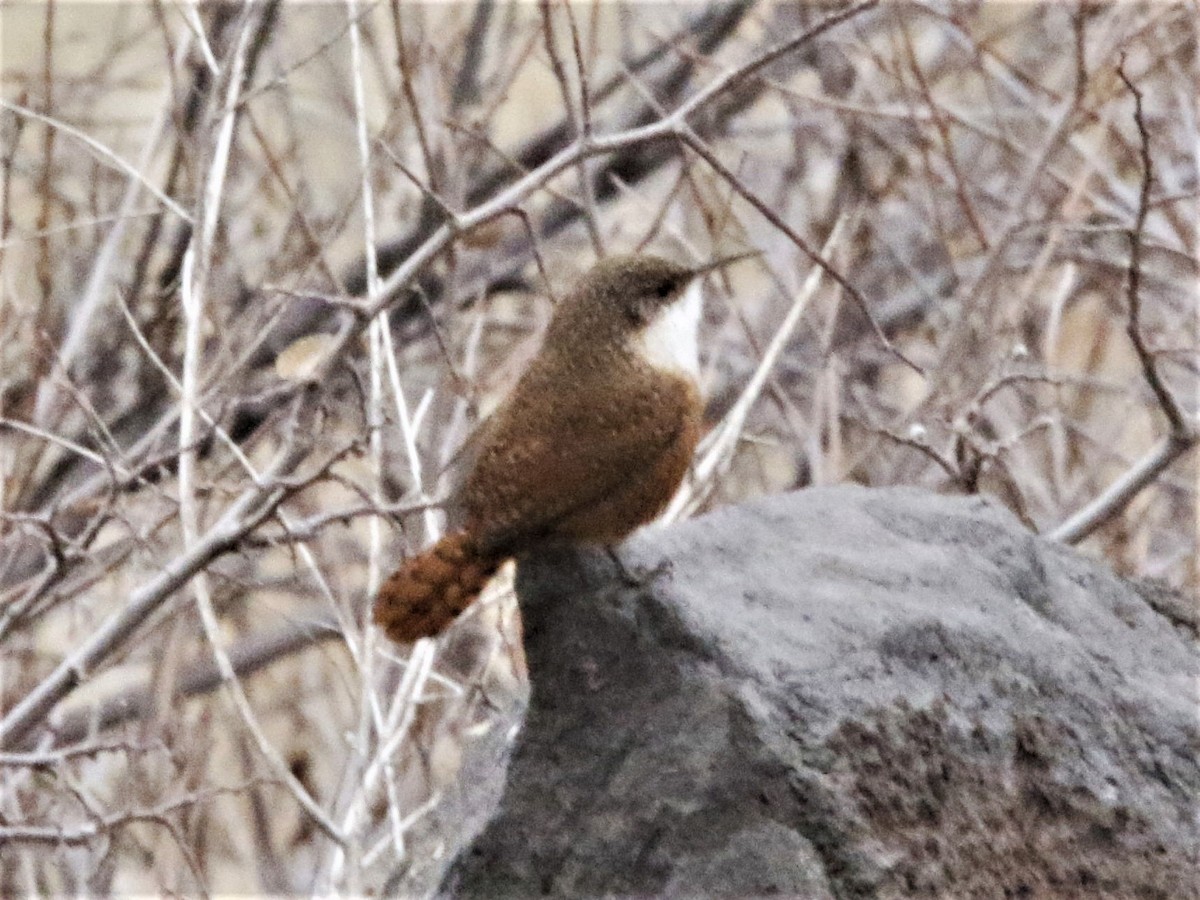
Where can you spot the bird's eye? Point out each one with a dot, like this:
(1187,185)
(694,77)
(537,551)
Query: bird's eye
(664,289)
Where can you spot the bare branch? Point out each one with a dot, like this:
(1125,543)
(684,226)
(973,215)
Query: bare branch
(102,152)
(1166,401)
(248,656)
(1183,435)
(689,137)
(1117,496)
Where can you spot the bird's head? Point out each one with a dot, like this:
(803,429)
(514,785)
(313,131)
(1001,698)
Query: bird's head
(641,302)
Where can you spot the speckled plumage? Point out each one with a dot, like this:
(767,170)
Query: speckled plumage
(592,442)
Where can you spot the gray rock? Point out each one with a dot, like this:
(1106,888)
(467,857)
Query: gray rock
(846,692)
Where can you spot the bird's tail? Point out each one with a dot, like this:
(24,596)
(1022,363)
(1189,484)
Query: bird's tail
(425,594)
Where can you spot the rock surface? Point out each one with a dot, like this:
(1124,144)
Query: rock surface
(846,692)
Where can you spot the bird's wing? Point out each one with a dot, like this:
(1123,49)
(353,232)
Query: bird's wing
(546,455)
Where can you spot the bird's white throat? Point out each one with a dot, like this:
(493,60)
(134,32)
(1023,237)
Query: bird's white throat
(672,339)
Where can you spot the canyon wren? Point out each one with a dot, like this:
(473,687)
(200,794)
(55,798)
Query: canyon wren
(593,441)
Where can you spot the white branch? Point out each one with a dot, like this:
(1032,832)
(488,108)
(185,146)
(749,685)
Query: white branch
(196,265)
(720,445)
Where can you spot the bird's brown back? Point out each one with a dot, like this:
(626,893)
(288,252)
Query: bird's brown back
(575,445)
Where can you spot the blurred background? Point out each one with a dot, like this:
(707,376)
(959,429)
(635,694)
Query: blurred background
(212,449)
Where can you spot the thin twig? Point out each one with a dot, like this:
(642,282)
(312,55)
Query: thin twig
(247,656)
(254,506)
(765,209)
(102,152)
(718,451)
(195,273)
(581,122)
(1183,434)
(1166,400)
(1118,494)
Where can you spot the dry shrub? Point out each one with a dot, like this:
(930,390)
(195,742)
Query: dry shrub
(264,267)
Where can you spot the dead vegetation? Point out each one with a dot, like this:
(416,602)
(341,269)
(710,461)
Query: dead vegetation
(264,267)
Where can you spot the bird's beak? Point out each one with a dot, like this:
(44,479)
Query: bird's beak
(722,262)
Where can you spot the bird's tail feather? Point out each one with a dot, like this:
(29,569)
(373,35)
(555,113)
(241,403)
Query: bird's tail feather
(425,594)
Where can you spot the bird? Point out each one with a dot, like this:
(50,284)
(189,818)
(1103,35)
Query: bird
(592,442)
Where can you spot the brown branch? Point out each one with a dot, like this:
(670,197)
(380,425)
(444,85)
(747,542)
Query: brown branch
(1166,401)
(709,29)
(466,85)
(1182,436)
(580,122)
(958,179)
(690,138)
(410,94)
